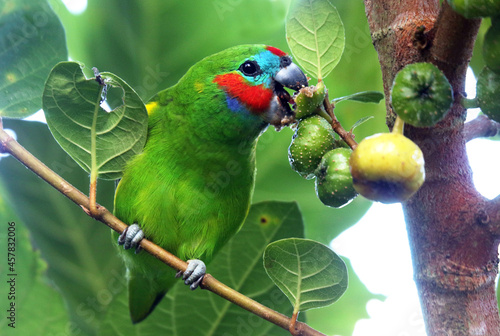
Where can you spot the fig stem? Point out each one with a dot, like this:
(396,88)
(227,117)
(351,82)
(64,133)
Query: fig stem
(399,126)
(322,113)
(469,103)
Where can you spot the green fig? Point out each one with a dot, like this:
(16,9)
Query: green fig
(387,168)
(308,100)
(313,138)
(421,95)
(334,185)
(488,93)
(491,47)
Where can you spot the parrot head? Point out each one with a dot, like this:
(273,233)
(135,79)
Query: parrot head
(258,82)
(243,88)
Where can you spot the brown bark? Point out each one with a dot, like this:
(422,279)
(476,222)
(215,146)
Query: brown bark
(453,230)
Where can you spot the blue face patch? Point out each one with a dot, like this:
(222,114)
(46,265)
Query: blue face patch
(233,104)
(269,63)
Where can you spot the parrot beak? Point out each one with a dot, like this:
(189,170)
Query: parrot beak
(289,76)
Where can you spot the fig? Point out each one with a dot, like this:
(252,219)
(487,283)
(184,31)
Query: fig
(387,167)
(491,47)
(308,99)
(334,185)
(488,93)
(421,95)
(312,139)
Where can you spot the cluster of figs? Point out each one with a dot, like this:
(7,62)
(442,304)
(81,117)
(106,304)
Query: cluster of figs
(385,167)
(315,152)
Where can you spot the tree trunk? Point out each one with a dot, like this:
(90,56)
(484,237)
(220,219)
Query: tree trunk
(453,230)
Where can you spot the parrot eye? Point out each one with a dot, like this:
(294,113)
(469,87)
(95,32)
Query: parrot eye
(250,68)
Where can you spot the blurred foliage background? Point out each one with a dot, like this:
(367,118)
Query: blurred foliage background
(151,44)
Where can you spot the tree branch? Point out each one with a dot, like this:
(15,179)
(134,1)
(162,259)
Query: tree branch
(481,127)
(11,146)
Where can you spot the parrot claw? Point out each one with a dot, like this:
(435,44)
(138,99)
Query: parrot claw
(194,273)
(131,238)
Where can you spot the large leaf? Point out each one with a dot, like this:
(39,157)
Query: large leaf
(315,34)
(309,273)
(82,261)
(32,41)
(72,106)
(239,265)
(30,306)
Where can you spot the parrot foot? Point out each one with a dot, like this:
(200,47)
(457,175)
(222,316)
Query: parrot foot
(131,238)
(193,276)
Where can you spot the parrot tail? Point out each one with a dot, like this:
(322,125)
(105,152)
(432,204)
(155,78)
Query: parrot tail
(144,293)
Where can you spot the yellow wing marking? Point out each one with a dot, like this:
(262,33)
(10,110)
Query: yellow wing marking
(151,106)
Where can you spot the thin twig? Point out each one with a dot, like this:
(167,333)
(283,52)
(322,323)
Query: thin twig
(93,197)
(337,127)
(11,146)
(293,324)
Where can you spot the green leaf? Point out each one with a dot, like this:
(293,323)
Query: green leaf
(30,304)
(31,41)
(309,273)
(83,263)
(363,97)
(238,265)
(360,122)
(74,114)
(340,318)
(315,35)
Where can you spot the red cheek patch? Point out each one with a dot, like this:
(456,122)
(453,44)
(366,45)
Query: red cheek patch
(256,97)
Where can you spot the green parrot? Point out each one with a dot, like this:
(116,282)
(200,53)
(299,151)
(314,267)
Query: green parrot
(190,189)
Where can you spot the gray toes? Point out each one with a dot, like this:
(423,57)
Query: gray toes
(131,238)
(193,276)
